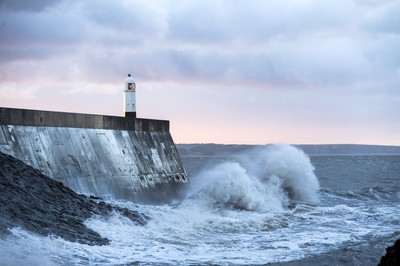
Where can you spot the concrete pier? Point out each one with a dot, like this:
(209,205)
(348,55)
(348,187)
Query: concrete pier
(25,117)
(107,156)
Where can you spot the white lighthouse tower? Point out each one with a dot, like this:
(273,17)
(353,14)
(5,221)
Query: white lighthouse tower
(130,97)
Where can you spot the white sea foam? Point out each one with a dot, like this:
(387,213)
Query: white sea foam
(264,179)
(289,164)
(194,233)
(197,232)
(231,186)
(27,249)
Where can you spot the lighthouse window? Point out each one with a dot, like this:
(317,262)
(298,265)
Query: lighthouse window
(130,86)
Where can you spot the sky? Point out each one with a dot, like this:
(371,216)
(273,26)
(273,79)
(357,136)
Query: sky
(222,71)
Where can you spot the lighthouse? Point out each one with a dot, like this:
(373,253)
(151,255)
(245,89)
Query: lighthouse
(130,97)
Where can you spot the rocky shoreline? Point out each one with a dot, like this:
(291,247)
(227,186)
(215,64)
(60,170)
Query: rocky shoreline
(36,203)
(392,256)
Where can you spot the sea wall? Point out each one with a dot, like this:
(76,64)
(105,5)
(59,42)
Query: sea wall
(25,117)
(106,156)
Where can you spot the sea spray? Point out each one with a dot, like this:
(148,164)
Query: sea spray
(263,179)
(345,229)
(232,187)
(291,165)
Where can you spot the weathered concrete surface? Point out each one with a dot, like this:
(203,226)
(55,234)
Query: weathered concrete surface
(25,117)
(142,166)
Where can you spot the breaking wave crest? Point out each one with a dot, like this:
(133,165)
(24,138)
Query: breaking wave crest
(263,179)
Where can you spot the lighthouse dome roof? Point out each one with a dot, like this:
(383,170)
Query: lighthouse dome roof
(129,79)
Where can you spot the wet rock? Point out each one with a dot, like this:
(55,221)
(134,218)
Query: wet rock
(392,256)
(35,202)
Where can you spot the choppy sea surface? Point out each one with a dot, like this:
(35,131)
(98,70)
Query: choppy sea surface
(270,205)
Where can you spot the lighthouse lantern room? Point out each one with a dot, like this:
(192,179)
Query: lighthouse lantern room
(130,97)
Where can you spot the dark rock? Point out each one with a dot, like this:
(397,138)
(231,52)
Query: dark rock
(392,256)
(35,202)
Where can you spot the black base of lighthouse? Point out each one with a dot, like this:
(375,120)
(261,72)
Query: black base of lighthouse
(130,114)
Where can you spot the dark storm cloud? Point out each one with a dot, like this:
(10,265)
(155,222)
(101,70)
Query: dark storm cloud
(28,5)
(40,28)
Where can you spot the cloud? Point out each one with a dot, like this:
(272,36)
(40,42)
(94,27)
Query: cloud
(310,43)
(136,18)
(382,17)
(226,21)
(27,5)
(15,91)
(282,61)
(35,28)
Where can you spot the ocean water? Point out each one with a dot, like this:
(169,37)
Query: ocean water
(271,205)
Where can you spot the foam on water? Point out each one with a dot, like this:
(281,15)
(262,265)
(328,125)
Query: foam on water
(194,232)
(235,213)
(264,180)
(27,249)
